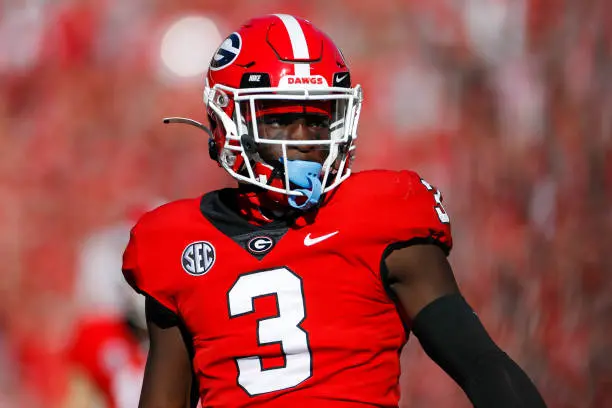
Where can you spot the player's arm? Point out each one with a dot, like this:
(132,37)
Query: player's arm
(168,374)
(449,331)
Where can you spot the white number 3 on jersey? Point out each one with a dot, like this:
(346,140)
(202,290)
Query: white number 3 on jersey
(284,329)
(442,215)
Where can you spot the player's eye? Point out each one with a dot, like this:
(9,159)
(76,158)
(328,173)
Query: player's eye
(318,122)
(315,122)
(275,121)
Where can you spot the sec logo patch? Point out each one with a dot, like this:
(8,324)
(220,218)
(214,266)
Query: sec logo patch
(198,257)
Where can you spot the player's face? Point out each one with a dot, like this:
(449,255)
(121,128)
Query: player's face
(309,122)
(295,126)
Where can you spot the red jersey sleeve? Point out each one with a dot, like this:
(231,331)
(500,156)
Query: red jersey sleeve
(143,274)
(416,213)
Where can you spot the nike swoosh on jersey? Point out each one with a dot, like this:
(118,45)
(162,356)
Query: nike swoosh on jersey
(308,241)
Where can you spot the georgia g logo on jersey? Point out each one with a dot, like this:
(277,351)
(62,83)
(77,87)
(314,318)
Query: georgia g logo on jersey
(227,52)
(198,257)
(260,245)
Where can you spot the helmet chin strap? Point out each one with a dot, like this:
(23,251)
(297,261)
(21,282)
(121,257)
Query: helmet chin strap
(305,174)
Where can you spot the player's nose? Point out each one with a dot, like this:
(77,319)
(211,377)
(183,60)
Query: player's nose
(298,130)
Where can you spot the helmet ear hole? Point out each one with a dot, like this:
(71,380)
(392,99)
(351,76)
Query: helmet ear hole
(212,150)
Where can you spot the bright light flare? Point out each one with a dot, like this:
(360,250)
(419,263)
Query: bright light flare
(188,45)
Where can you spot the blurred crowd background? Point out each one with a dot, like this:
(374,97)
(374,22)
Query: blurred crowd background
(504,105)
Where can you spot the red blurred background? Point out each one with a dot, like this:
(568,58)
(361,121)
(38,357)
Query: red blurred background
(505,105)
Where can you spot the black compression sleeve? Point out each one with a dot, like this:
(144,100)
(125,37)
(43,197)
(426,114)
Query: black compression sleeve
(453,336)
(160,314)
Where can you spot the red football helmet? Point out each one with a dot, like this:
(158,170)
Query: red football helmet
(281,64)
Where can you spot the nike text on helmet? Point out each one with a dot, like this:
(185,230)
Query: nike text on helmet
(284,59)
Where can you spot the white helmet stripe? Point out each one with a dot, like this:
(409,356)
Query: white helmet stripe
(298,43)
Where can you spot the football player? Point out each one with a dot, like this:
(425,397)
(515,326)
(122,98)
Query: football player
(299,287)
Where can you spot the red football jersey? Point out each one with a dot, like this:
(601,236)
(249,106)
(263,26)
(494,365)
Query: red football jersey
(289,315)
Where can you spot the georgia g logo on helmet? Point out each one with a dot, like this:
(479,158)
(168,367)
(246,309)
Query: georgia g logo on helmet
(227,52)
